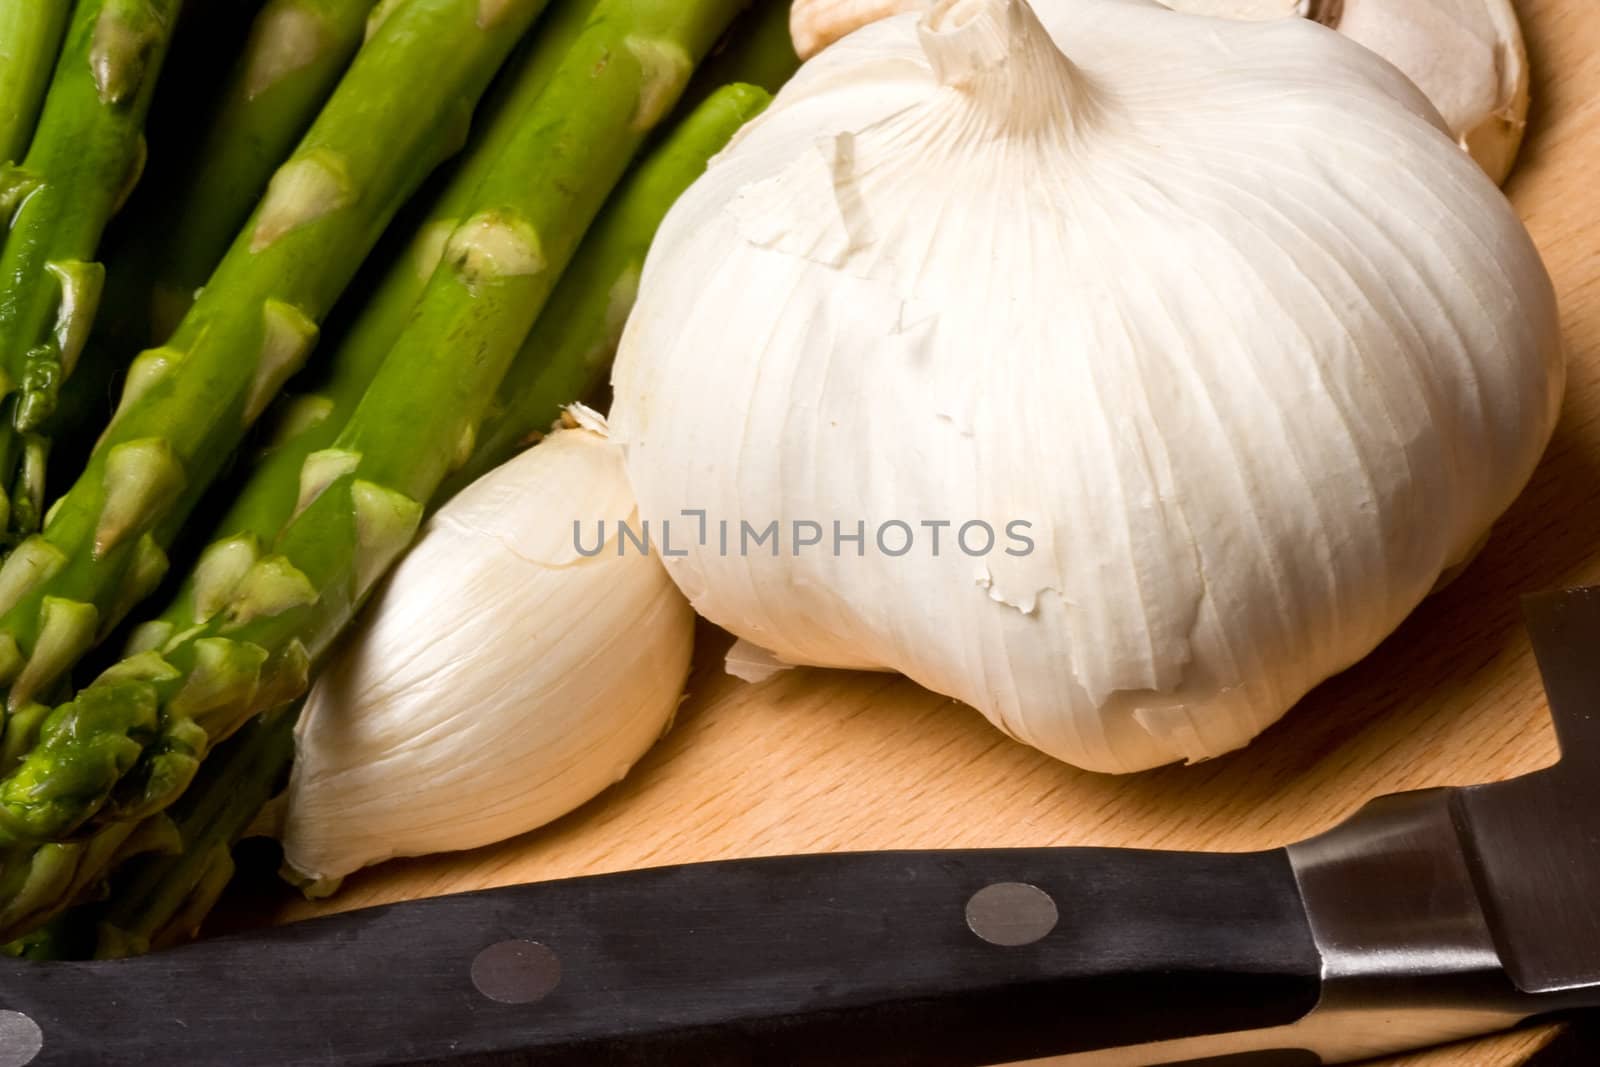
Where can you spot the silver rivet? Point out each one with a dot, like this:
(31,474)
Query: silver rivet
(515,972)
(20,1039)
(1011,913)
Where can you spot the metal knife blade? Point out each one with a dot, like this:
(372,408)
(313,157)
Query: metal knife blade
(1535,840)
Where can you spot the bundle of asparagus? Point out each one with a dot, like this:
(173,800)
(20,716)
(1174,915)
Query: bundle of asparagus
(484,308)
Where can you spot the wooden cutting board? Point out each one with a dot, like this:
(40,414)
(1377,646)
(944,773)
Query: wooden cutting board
(818,761)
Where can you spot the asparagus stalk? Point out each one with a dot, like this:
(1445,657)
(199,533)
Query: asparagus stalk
(178,865)
(30,38)
(63,938)
(310,422)
(36,885)
(758,51)
(294,56)
(361,501)
(187,404)
(85,157)
(163,898)
(291,60)
(568,354)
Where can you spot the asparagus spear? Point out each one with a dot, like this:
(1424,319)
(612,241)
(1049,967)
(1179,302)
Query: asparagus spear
(168,882)
(187,404)
(360,502)
(310,422)
(30,37)
(163,898)
(294,56)
(569,352)
(758,51)
(85,157)
(290,61)
(66,937)
(36,885)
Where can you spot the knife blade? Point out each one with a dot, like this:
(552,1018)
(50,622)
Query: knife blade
(1428,916)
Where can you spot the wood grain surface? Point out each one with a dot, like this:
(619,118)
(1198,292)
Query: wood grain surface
(816,761)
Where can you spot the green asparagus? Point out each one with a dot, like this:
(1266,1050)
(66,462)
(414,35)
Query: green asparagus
(37,884)
(85,157)
(758,51)
(30,38)
(361,501)
(169,893)
(66,937)
(187,404)
(174,866)
(569,352)
(311,421)
(163,897)
(294,54)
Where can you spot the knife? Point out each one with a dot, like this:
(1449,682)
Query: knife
(1428,916)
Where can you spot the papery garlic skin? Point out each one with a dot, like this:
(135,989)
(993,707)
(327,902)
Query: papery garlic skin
(1226,317)
(500,679)
(1467,56)
(815,24)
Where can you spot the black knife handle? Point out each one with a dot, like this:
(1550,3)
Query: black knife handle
(870,958)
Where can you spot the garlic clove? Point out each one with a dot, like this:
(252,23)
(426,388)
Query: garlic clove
(1468,56)
(500,679)
(815,24)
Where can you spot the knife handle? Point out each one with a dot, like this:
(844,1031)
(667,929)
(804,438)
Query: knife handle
(937,959)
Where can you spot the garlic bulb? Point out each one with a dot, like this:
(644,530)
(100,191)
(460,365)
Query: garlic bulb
(1466,55)
(1214,347)
(506,674)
